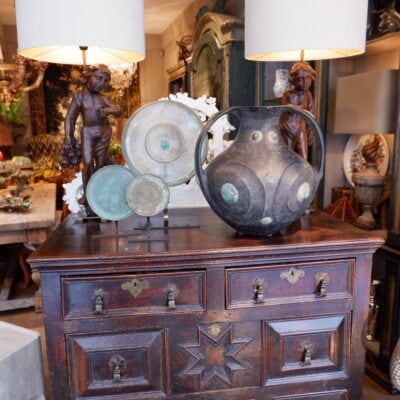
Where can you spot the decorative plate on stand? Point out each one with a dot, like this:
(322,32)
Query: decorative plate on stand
(106,191)
(160,138)
(147,195)
(353,159)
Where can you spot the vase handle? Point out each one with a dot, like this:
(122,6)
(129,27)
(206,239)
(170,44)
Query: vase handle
(201,144)
(312,123)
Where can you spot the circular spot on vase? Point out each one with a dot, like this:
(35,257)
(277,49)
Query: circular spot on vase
(272,136)
(256,136)
(303,193)
(267,220)
(229,193)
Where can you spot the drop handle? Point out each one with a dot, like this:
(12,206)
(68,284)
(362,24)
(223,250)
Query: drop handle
(307,355)
(116,365)
(258,289)
(99,299)
(171,292)
(321,282)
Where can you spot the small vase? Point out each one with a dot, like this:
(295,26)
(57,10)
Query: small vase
(281,82)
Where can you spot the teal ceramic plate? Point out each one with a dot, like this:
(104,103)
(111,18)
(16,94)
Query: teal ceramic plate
(106,190)
(159,139)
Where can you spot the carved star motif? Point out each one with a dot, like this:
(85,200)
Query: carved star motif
(215,355)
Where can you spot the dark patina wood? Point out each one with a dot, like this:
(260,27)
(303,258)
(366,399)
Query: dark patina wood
(203,313)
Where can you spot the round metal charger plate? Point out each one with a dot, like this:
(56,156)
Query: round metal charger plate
(159,139)
(147,195)
(106,190)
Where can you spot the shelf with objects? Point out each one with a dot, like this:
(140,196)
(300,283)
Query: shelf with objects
(383,328)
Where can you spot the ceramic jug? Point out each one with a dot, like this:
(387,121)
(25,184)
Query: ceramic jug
(258,185)
(281,82)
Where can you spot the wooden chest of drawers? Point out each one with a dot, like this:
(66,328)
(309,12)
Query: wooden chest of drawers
(200,312)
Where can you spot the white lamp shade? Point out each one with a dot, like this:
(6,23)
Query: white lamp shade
(367,103)
(54,30)
(277,30)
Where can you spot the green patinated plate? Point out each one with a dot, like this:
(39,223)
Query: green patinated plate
(147,195)
(160,138)
(106,191)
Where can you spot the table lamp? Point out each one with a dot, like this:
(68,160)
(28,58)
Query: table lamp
(366,104)
(90,32)
(81,32)
(293,30)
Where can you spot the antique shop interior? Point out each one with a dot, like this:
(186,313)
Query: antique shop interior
(199,199)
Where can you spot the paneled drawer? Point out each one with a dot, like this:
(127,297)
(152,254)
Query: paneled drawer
(309,349)
(133,294)
(330,395)
(282,283)
(127,363)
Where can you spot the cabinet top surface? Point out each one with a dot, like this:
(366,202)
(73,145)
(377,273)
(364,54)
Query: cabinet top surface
(193,233)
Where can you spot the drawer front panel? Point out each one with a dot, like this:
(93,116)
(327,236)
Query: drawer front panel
(246,287)
(215,357)
(117,364)
(133,294)
(331,395)
(301,350)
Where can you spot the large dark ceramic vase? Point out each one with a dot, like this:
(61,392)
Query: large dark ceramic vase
(258,185)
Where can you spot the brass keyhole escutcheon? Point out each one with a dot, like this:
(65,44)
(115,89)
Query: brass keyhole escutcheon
(292,275)
(135,286)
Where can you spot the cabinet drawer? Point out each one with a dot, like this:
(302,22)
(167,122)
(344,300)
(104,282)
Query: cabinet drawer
(288,283)
(133,294)
(301,350)
(127,363)
(331,395)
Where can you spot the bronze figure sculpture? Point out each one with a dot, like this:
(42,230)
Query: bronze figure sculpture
(293,126)
(96,131)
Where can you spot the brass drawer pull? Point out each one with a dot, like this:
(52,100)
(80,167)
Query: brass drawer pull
(258,289)
(171,292)
(99,296)
(321,283)
(116,364)
(307,354)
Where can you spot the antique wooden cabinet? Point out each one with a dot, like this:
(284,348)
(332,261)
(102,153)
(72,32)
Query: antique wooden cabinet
(218,67)
(140,310)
